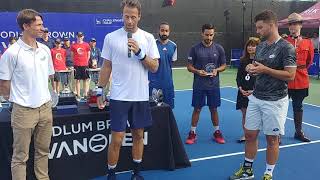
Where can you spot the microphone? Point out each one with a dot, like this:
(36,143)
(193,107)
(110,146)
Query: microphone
(129,35)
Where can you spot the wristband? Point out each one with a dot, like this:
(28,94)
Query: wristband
(99,91)
(140,55)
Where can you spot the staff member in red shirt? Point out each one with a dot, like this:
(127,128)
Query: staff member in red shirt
(58,55)
(80,53)
(299,87)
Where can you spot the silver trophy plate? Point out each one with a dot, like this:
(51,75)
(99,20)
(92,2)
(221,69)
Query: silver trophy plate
(65,79)
(157,96)
(94,74)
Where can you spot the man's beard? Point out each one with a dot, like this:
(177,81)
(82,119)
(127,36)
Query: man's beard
(207,41)
(264,38)
(163,37)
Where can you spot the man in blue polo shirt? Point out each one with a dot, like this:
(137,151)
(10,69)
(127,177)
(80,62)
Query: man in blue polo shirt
(162,79)
(206,60)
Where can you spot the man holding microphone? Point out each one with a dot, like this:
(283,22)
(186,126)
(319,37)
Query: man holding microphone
(129,53)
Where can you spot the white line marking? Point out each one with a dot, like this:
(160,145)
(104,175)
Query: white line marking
(237,88)
(305,123)
(228,100)
(312,105)
(122,172)
(181,90)
(308,124)
(259,150)
(290,99)
(179,68)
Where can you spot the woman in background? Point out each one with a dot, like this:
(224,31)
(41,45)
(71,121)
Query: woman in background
(245,81)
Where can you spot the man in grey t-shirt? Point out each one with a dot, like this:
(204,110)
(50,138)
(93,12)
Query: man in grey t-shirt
(274,65)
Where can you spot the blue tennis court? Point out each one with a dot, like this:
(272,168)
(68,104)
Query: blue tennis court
(215,161)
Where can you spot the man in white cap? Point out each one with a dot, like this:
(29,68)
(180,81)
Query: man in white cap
(298,88)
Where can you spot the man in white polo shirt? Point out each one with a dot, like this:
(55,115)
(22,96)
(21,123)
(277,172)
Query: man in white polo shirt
(24,71)
(129,53)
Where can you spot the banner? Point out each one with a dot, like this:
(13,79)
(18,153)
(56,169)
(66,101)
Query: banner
(65,25)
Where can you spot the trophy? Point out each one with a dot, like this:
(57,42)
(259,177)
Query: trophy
(67,99)
(54,98)
(92,96)
(157,96)
(5,105)
(209,68)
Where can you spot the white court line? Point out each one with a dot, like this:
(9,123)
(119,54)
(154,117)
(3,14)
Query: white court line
(290,99)
(259,150)
(181,90)
(228,100)
(241,153)
(308,124)
(179,68)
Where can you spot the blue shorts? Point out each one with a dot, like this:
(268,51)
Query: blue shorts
(210,98)
(168,95)
(137,113)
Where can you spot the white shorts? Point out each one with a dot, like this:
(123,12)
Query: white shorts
(268,116)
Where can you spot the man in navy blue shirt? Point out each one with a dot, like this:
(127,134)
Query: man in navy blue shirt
(206,60)
(46,39)
(162,79)
(66,46)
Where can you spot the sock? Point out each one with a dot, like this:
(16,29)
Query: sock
(193,128)
(269,169)
(112,167)
(216,128)
(137,165)
(248,163)
(137,160)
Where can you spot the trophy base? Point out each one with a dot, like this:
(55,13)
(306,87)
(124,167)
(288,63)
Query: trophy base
(66,109)
(67,104)
(94,107)
(67,99)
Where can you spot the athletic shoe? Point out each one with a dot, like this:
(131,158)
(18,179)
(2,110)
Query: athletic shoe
(301,137)
(111,175)
(217,136)
(267,177)
(191,138)
(242,139)
(136,176)
(242,174)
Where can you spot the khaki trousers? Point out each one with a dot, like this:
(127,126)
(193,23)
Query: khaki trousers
(26,122)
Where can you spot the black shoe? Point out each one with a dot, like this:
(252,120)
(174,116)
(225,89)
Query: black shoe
(136,176)
(111,175)
(301,137)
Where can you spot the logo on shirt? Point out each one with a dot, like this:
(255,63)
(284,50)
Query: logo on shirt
(247,78)
(43,58)
(59,56)
(189,58)
(272,56)
(215,55)
(164,49)
(80,51)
